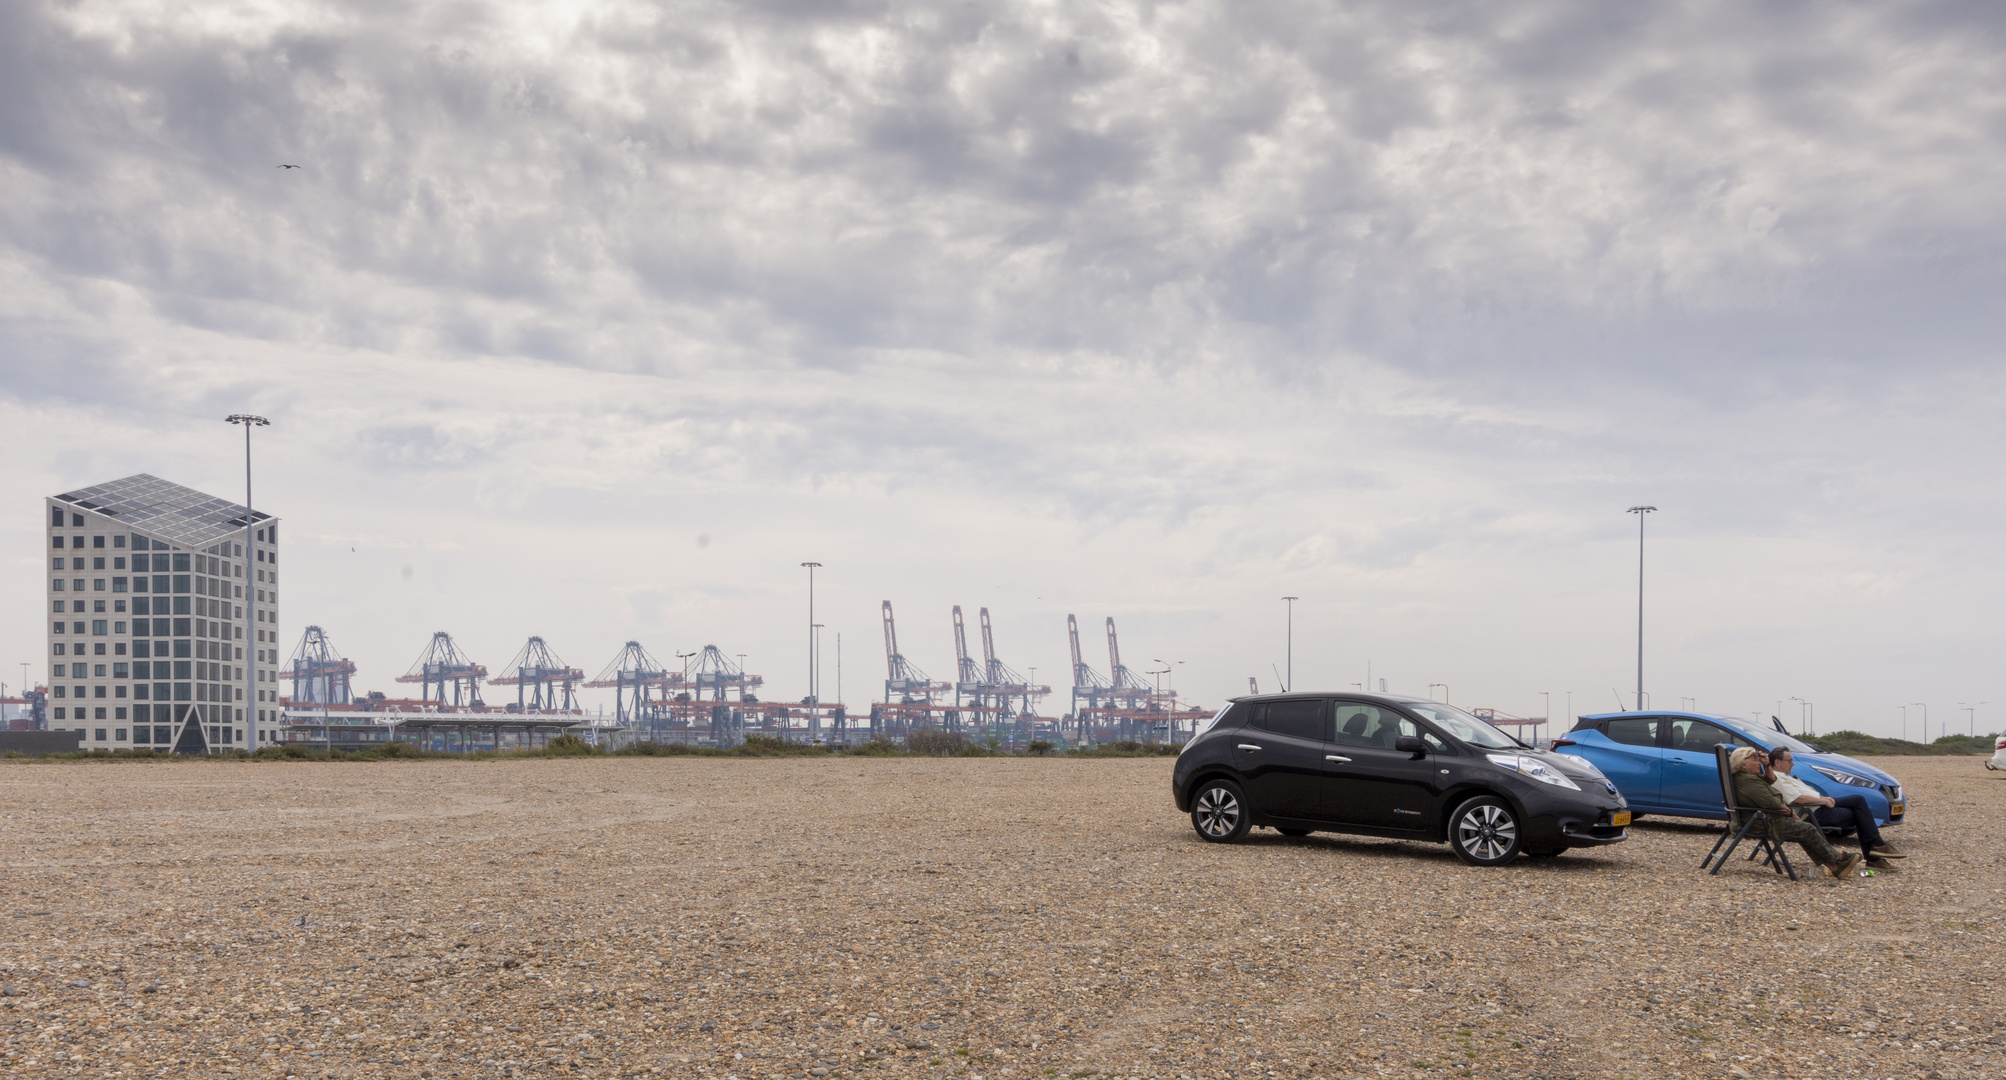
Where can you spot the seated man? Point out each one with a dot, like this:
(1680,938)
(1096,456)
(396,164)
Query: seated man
(1752,793)
(1845,812)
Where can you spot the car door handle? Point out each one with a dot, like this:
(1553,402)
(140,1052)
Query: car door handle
(1248,746)
(1678,761)
(1336,757)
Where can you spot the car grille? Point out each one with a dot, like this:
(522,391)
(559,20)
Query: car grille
(1892,791)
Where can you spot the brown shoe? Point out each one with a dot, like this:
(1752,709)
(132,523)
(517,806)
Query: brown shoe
(1889,851)
(1879,863)
(1845,867)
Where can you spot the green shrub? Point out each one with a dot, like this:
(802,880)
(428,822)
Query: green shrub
(1129,748)
(569,745)
(1039,748)
(1861,744)
(933,742)
(878,747)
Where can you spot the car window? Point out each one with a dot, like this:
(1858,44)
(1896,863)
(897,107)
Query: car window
(1299,719)
(1635,730)
(1366,725)
(1409,727)
(1699,736)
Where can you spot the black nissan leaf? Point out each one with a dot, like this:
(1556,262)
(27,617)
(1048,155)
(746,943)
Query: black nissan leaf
(1390,766)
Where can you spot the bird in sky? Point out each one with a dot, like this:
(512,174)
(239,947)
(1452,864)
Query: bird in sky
(288,166)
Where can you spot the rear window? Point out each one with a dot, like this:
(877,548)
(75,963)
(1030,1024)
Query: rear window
(1634,730)
(1297,719)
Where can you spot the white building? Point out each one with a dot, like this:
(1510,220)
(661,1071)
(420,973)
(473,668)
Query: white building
(149,643)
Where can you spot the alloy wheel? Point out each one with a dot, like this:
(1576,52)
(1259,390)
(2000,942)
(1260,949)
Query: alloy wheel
(1487,832)
(1218,812)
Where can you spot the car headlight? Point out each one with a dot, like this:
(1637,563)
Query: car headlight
(1534,769)
(1844,777)
(1586,764)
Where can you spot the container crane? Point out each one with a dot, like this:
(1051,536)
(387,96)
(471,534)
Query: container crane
(541,680)
(320,674)
(443,665)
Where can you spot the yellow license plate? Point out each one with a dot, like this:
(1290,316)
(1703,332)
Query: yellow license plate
(1620,819)
(1896,809)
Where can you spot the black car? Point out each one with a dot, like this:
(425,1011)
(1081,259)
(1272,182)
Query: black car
(1390,766)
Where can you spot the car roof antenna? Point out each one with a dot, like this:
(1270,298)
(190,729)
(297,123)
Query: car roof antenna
(1619,700)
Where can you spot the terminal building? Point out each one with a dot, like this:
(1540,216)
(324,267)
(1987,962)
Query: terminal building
(150,646)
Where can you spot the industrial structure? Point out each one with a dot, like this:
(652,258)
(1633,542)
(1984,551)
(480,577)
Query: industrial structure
(319,674)
(541,680)
(641,688)
(443,668)
(1124,706)
(149,646)
(992,691)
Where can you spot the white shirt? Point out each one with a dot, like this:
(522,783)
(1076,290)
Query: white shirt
(1791,789)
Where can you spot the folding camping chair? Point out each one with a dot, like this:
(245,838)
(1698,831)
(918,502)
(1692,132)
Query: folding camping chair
(1742,822)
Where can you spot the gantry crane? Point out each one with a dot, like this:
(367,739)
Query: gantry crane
(909,693)
(319,673)
(541,680)
(443,665)
(641,687)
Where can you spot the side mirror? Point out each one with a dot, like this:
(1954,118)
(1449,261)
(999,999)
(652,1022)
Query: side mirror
(1410,744)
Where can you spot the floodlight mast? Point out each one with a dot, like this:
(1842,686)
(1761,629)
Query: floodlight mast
(249,421)
(1640,511)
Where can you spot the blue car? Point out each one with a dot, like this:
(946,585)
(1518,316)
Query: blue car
(1663,762)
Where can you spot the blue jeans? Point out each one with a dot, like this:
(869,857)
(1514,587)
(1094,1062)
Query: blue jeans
(1851,813)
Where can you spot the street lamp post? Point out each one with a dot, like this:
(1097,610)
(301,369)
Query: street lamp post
(690,720)
(1971,717)
(1445,690)
(815,710)
(248,421)
(1925,718)
(1292,644)
(1170,718)
(1640,511)
(811,643)
(1904,710)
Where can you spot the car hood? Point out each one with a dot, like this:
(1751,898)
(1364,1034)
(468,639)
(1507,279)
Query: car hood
(1847,764)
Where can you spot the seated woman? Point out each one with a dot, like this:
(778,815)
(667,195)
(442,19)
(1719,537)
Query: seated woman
(1845,812)
(1752,792)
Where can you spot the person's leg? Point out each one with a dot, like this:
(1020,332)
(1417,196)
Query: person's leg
(1853,811)
(1813,840)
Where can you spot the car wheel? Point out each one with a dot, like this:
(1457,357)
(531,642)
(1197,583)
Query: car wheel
(1991,766)
(1219,811)
(1484,831)
(1293,832)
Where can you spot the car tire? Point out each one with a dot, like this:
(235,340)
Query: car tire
(1484,831)
(1293,832)
(1219,812)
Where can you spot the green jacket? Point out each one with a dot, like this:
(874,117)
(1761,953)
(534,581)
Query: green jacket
(1752,792)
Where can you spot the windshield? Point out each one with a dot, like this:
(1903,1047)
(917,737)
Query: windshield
(1772,736)
(1462,725)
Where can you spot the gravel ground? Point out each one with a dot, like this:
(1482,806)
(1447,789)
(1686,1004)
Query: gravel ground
(981,918)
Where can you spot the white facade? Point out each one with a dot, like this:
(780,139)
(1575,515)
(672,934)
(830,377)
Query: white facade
(160,618)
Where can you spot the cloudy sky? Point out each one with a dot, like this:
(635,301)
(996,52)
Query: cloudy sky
(594,319)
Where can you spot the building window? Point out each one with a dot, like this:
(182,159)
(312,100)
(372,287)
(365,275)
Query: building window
(59,645)
(58,690)
(99,626)
(59,708)
(118,542)
(119,648)
(118,584)
(76,584)
(97,541)
(98,691)
(99,673)
(97,563)
(77,627)
(57,585)
(55,517)
(181,564)
(142,735)
(118,734)
(139,689)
